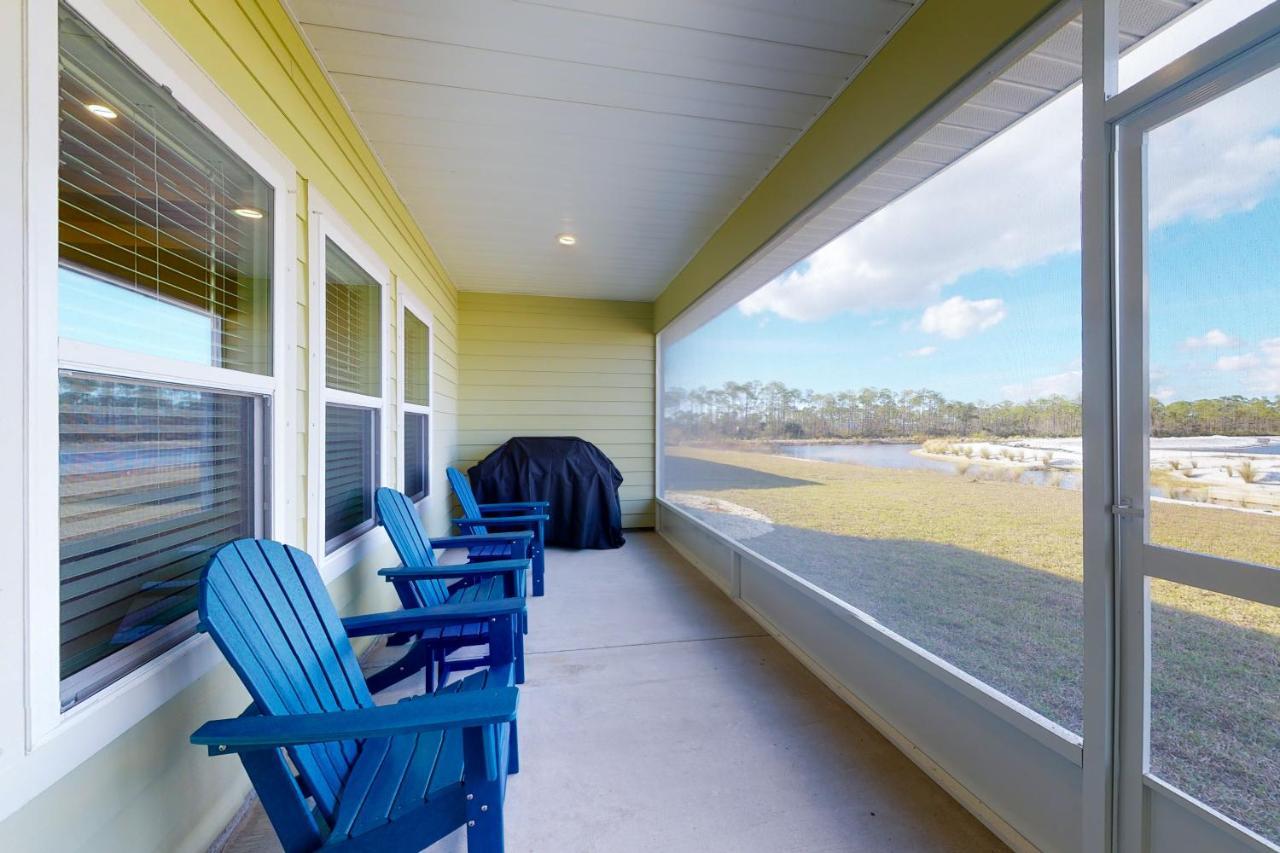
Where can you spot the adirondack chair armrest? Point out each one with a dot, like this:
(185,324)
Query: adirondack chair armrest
(418,714)
(540,506)
(517,537)
(467,570)
(420,618)
(504,519)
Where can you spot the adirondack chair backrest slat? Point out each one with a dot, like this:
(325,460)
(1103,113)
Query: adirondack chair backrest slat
(466,498)
(398,515)
(267,609)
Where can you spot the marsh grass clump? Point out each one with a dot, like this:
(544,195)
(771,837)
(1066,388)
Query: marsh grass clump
(1006,454)
(985,452)
(967,451)
(1248,471)
(1231,471)
(962,468)
(1046,461)
(1175,464)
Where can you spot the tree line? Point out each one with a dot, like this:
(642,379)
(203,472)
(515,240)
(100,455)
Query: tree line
(772,410)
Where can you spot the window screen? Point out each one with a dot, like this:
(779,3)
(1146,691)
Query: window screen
(164,233)
(152,478)
(350,472)
(417,455)
(353,317)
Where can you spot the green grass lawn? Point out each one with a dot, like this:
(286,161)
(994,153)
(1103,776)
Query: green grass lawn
(987,574)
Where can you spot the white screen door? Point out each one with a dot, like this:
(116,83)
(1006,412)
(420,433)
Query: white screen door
(1198,384)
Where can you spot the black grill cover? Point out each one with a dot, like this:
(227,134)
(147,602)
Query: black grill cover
(579,481)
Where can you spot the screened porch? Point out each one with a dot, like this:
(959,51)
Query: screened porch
(924,352)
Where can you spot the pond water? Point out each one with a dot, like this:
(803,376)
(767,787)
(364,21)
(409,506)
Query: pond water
(903,456)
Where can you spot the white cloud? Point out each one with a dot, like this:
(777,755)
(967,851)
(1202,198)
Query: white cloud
(1260,371)
(1164,394)
(1212,339)
(923,352)
(1065,384)
(958,317)
(1247,361)
(1014,202)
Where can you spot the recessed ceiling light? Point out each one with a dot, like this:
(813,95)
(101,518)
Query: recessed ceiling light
(101,110)
(567,239)
(248,212)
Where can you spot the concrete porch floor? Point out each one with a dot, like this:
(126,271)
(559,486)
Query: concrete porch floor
(658,718)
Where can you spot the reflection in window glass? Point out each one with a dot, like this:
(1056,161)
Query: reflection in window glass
(1215,701)
(162,229)
(350,472)
(1213,211)
(417,455)
(417,361)
(152,478)
(353,317)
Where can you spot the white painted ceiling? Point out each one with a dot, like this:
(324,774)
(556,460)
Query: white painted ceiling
(1028,83)
(637,125)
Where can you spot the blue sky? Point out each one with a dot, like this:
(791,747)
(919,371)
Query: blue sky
(1220,275)
(970,284)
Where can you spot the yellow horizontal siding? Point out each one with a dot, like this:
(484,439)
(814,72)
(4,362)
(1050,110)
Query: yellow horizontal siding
(148,790)
(544,366)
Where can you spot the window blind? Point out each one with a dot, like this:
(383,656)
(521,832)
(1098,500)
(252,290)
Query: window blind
(350,472)
(353,318)
(417,455)
(152,478)
(417,361)
(151,202)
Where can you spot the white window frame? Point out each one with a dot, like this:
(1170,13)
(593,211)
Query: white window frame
(325,223)
(408,302)
(54,741)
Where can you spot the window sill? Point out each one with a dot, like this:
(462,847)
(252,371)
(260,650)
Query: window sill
(350,554)
(91,725)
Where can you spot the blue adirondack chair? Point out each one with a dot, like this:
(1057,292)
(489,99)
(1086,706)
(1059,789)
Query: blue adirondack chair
(420,582)
(525,515)
(388,778)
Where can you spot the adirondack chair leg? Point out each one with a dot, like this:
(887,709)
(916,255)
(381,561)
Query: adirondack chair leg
(445,669)
(484,790)
(282,800)
(519,652)
(539,563)
(513,751)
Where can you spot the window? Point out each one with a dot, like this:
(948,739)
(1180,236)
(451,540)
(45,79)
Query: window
(165,266)
(353,343)
(417,366)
